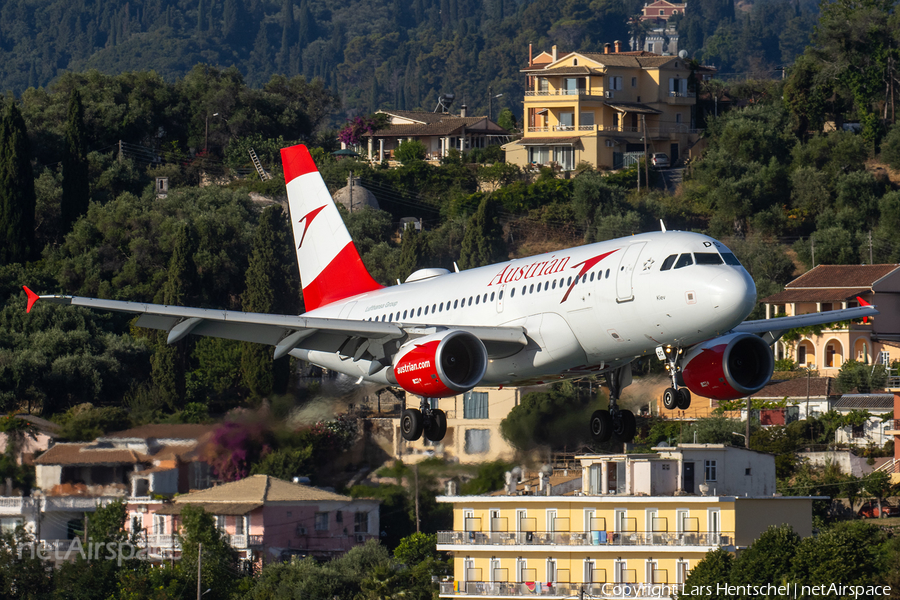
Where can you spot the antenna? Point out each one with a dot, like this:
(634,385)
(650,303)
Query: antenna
(444,102)
(662,225)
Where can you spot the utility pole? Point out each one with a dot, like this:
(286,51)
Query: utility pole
(199,565)
(870,248)
(646,160)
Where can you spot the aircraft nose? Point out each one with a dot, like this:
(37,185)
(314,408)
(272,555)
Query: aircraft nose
(733,295)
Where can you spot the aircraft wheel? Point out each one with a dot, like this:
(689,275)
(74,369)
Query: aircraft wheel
(437,426)
(601,425)
(670,398)
(684,398)
(624,426)
(411,424)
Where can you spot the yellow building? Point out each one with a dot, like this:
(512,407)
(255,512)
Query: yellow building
(600,107)
(625,526)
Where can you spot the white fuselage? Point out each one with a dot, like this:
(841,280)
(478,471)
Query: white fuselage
(621,307)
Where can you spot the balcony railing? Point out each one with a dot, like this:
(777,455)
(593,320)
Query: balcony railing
(571,590)
(584,538)
(651,131)
(578,92)
(245,541)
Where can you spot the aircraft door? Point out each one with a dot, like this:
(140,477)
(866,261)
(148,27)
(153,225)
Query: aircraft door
(625,273)
(500,298)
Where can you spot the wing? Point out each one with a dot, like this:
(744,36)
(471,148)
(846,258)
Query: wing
(772,329)
(356,339)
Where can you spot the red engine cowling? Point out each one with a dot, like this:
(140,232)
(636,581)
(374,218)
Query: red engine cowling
(728,367)
(440,365)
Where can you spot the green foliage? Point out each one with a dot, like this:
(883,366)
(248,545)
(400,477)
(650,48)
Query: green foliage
(76,192)
(483,243)
(489,478)
(410,150)
(701,583)
(849,552)
(861,377)
(17,191)
(555,418)
(890,148)
(200,534)
(768,560)
(86,422)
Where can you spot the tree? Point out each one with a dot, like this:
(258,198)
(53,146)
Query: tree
(704,579)
(17,197)
(76,193)
(555,418)
(410,150)
(878,485)
(767,560)
(483,243)
(412,247)
(861,377)
(890,148)
(219,560)
(847,552)
(272,287)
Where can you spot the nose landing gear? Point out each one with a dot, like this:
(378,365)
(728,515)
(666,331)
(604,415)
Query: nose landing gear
(674,397)
(432,422)
(617,423)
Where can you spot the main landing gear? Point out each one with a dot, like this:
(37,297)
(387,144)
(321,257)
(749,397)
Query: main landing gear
(425,420)
(617,423)
(674,397)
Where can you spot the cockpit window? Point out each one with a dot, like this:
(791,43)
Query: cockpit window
(707,258)
(684,260)
(667,264)
(731,259)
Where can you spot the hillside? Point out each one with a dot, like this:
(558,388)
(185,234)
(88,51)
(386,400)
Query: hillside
(373,53)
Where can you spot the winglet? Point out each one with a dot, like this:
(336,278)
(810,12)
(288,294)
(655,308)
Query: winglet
(863,303)
(32,298)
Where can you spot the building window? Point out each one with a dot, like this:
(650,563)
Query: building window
(859,431)
(159,524)
(220,523)
(801,354)
(478,441)
(475,405)
(321,521)
(710,469)
(361,522)
(551,570)
(884,358)
(678,117)
(634,82)
(9,525)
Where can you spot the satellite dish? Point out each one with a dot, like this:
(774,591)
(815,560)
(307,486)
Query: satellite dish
(683,53)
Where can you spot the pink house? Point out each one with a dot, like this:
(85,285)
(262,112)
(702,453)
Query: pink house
(266,519)
(661,10)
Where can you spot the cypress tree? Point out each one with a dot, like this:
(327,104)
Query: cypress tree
(76,193)
(17,198)
(483,242)
(411,250)
(169,362)
(272,287)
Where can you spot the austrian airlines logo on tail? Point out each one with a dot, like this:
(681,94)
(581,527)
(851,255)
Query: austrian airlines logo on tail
(308,217)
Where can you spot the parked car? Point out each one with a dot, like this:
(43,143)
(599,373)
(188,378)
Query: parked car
(660,159)
(869,510)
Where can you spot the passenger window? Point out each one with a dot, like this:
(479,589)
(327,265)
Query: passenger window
(584,278)
(484,299)
(404,315)
(477,299)
(391,318)
(707,258)
(684,260)
(492,296)
(455,303)
(419,312)
(433,308)
(667,264)
(592,275)
(547,285)
(554,284)
(441,307)
(512,293)
(470,300)
(500,295)
(731,259)
(607,273)
(426,310)
(531,289)
(524,289)
(569,281)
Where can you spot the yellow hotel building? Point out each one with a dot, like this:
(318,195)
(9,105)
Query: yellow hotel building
(599,108)
(625,526)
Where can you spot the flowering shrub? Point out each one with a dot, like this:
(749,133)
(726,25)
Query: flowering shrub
(352,133)
(235,447)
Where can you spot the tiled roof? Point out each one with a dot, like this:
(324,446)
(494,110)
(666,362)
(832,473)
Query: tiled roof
(415,115)
(625,60)
(796,388)
(815,295)
(446,126)
(261,489)
(180,431)
(842,276)
(866,401)
(564,70)
(81,454)
(214,508)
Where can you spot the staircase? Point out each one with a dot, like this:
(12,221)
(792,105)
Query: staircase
(263,175)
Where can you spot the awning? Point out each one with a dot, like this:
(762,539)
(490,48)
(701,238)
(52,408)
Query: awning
(548,141)
(633,107)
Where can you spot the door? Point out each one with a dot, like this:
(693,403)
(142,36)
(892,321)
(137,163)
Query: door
(688,477)
(627,267)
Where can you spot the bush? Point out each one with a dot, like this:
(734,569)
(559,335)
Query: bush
(890,148)
(410,151)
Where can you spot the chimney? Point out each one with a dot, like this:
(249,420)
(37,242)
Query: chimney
(530,56)
(553,52)
(606,47)
(618,46)
(462,110)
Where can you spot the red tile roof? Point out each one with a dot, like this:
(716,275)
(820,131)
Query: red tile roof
(80,454)
(842,276)
(815,295)
(819,387)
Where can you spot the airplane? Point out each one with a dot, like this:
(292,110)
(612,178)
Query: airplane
(587,310)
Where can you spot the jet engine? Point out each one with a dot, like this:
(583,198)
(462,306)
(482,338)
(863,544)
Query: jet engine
(440,365)
(728,367)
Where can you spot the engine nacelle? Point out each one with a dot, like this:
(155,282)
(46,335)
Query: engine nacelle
(440,365)
(728,367)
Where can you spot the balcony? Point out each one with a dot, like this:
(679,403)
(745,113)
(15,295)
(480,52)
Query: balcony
(584,538)
(17,505)
(893,430)
(240,542)
(551,93)
(570,590)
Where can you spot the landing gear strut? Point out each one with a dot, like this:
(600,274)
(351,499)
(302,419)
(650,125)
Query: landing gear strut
(674,397)
(617,423)
(430,421)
